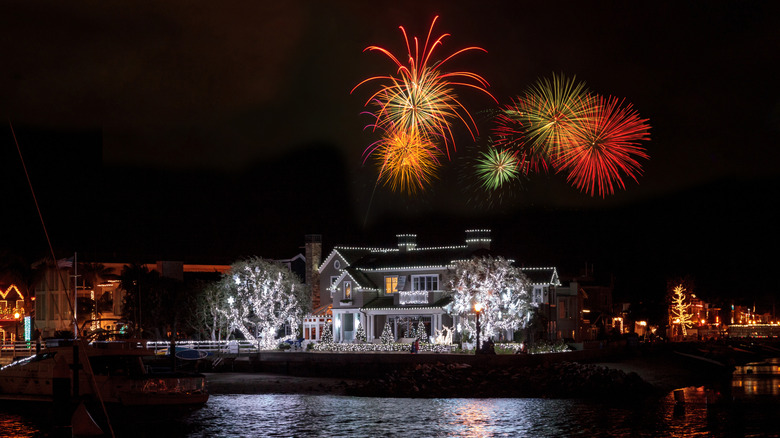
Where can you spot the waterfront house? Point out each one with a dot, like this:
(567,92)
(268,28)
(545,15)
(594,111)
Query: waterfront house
(405,285)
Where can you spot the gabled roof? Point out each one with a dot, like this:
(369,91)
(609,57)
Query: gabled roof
(361,281)
(349,255)
(548,275)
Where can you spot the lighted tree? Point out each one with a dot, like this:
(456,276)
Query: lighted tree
(360,332)
(327,335)
(679,310)
(208,315)
(264,296)
(502,289)
(421,333)
(387,334)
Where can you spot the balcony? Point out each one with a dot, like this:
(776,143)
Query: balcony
(413,297)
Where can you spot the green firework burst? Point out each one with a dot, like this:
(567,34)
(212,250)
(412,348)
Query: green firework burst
(497,167)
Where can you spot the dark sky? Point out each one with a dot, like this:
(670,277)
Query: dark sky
(213,130)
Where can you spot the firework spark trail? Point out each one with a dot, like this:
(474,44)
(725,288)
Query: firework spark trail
(606,147)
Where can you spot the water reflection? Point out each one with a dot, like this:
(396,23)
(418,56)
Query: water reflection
(15,425)
(745,406)
(757,380)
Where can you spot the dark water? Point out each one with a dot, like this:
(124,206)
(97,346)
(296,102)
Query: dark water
(749,406)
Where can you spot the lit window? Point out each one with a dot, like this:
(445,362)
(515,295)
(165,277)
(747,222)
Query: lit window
(391,284)
(347,290)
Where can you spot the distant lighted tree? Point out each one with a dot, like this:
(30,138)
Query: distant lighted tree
(502,289)
(208,316)
(680,310)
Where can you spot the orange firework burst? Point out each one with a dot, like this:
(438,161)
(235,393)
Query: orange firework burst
(406,161)
(606,146)
(420,99)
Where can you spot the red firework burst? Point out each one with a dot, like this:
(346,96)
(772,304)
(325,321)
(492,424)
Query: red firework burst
(606,146)
(510,133)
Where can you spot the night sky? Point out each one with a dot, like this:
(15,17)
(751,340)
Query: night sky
(209,131)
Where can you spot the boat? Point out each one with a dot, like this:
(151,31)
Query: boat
(109,372)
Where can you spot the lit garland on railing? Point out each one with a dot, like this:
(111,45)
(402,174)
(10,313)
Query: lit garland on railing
(379,348)
(413,297)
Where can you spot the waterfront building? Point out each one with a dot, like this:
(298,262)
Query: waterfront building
(404,285)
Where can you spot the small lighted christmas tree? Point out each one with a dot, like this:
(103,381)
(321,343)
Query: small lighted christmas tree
(680,310)
(327,335)
(360,333)
(421,333)
(387,334)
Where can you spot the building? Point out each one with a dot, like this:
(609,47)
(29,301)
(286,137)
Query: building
(404,285)
(14,318)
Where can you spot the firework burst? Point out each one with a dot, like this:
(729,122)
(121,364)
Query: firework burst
(497,167)
(420,99)
(406,161)
(541,124)
(606,147)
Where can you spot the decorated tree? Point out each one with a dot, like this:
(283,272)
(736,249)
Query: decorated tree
(208,314)
(360,332)
(421,333)
(501,289)
(327,335)
(263,297)
(679,311)
(387,334)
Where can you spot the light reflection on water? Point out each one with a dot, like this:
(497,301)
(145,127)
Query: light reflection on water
(748,405)
(321,416)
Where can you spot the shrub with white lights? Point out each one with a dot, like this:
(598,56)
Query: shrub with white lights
(387,335)
(360,332)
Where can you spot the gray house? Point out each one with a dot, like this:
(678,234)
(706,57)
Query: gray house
(405,284)
(402,285)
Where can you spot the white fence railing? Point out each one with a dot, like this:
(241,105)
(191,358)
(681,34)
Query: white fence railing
(230,347)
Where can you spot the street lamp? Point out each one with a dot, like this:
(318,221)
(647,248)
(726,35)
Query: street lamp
(478,309)
(17,315)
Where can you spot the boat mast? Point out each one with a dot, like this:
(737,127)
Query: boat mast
(75,295)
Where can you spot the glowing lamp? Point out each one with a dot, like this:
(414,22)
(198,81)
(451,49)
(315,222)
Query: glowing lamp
(17,315)
(478,307)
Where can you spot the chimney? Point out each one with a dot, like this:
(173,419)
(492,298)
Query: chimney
(406,241)
(478,239)
(313,259)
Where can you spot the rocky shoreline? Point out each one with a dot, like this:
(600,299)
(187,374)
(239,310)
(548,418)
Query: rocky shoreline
(557,380)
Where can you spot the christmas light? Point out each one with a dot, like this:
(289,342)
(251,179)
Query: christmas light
(265,296)
(680,310)
(496,285)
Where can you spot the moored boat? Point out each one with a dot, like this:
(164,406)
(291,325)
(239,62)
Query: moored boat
(112,372)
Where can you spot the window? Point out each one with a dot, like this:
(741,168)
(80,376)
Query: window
(425,282)
(333,280)
(347,290)
(391,284)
